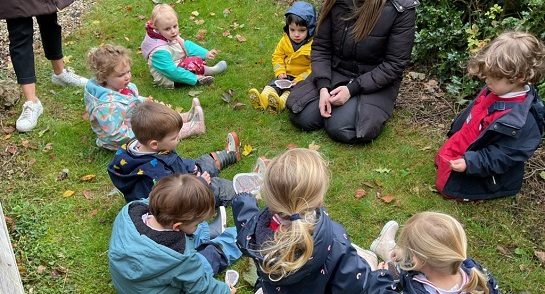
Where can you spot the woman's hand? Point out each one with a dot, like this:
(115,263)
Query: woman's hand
(339,96)
(325,105)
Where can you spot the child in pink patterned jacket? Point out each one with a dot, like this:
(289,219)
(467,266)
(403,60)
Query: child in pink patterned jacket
(110,97)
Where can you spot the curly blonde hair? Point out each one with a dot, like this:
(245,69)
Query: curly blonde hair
(103,60)
(512,55)
(438,240)
(295,184)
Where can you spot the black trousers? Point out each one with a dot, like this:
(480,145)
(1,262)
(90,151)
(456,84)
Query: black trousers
(21,33)
(366,112)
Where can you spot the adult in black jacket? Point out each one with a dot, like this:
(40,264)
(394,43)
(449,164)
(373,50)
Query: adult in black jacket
(358,56)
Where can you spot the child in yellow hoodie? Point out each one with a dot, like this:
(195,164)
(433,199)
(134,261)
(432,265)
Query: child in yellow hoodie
(291,58)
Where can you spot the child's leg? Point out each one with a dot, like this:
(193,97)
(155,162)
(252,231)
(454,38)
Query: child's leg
(368,256)
(216,69)
(221,252)
(385,243)
(231,153)
(223,191)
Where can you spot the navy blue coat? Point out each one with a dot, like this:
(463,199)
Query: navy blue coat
(334,266)
(495,161)
(410,286)
(135,175)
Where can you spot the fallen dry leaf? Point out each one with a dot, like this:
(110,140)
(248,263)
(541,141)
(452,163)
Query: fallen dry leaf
(291,146)
(387,198)
(540,256)
(194,93)
(141,17)
(226,12)
(199,22)
(88,178)
(25,143)
(360,193)
(68,193)
(195,13)
(226,33)
(94,212)
(247,149)
(87,194)
(8,129)
(313,146)
(240,38)
(63,174)
(200,35)
(40,269)
(6,137)
(47,147)
(238,105)
(12,149)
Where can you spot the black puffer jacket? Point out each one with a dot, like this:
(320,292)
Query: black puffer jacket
(374,62)
(25,8)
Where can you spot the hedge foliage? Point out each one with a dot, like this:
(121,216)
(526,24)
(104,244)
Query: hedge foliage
(448,32)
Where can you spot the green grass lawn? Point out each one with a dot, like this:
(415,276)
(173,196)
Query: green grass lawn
(61,242)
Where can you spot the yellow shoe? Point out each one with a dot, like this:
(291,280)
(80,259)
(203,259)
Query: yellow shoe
(258,100)
(277,103)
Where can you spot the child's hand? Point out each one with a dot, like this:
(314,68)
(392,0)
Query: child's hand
(232,289)
(206,176)
(383,265)
(458,165)
(212,54)
(282,76)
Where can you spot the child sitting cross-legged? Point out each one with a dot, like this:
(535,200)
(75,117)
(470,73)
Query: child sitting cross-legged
(110,97)
(290,59)
(173,61)
(430,257)
(490,141)
(296,246)
(163,245)
(151,155)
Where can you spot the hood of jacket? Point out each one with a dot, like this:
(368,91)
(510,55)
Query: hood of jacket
(127,172)
(149,44)
(323,236)
(305,11)
(96,94)
(127,242)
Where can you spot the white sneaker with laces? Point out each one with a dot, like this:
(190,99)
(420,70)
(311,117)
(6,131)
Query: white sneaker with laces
(68,78)
(385,243)
(29,117)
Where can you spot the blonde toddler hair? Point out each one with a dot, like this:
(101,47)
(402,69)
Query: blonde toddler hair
(512,55)
(295,185)
(161,10)
(103,60)
(438,240)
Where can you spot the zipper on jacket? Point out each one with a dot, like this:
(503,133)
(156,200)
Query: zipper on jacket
(343,38)
(494,180)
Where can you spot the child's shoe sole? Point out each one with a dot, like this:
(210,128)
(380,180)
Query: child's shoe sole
(255,99)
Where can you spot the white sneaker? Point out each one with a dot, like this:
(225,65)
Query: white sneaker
(247,183)
(29,117)
(385,243)
(68,78)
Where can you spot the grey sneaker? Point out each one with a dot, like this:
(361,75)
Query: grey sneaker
(68,78)
(29,117)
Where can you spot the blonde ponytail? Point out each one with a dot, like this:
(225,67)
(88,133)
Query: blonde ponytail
(477,284)
(294,187)
(290,249)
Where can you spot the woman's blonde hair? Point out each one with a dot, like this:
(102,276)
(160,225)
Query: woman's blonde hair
(103,60)
(439,240)
(512,55)
(365,15)
(160,10)
(294,187)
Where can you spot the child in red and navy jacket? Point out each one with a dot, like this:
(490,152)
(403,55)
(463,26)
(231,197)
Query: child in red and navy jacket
(490,141)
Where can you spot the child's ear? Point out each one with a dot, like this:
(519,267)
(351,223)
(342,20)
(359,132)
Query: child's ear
(153,144)
(177,227)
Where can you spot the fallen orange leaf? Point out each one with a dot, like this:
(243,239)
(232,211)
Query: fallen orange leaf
(387,198)
(88,178)
(68,193)
(360,193)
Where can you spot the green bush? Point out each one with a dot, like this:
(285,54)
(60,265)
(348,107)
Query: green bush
(448,32)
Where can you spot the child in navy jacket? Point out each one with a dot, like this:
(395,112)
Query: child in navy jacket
(296,246)
(490,141)
(143,161)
